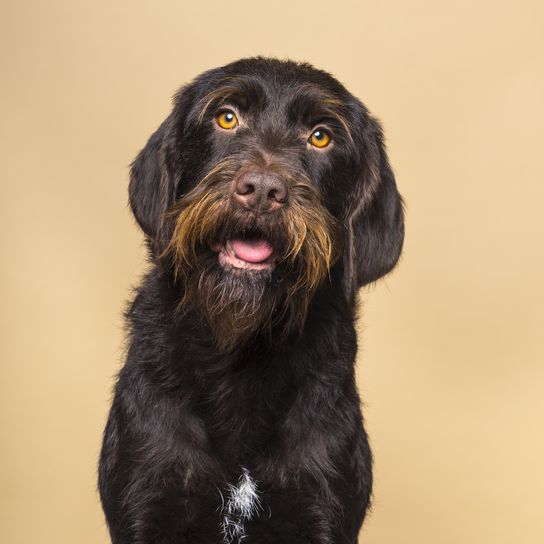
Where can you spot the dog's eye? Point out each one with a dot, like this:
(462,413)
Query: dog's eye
(227,120)
(320,138)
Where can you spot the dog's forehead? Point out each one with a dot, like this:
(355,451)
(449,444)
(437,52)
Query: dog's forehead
(284,88)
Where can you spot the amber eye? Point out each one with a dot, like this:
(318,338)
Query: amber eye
(320,138)
(227,120)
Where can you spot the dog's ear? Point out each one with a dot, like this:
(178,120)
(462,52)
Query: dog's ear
(151,188)
(375,222)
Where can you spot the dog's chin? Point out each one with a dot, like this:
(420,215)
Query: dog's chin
(231,288)
(242,284)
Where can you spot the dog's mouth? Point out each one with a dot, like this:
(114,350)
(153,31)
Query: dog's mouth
(246,253)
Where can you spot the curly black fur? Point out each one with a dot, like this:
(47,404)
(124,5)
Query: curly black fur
(203,401)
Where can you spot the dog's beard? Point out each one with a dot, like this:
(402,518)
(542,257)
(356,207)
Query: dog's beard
(238,304)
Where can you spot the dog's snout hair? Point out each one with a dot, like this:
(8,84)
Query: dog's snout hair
(305,234)
(267,200)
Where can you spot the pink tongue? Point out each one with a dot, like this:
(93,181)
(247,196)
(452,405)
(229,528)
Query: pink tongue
(251,251)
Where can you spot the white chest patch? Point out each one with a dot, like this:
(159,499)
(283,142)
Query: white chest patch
(242,505)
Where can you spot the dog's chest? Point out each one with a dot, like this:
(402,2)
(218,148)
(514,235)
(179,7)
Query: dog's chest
(242,415)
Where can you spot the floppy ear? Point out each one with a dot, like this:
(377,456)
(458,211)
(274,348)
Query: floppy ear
(152,188)
(375,223)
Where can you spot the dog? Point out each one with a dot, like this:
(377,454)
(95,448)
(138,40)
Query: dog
(267,200)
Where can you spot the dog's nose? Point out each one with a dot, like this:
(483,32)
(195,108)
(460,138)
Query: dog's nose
(261,191)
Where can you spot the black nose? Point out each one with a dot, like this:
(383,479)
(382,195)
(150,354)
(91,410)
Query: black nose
(261,191)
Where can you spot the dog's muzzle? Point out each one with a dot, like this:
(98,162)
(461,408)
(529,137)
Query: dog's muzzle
(258,193)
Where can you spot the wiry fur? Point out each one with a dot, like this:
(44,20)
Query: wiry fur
(239,381)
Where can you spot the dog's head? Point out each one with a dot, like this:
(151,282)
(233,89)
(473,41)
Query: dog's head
(267,177)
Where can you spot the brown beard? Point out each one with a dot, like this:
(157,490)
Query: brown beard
(239,304)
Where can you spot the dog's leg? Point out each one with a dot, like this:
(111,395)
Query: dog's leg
(289,517)
(148,487)
(161,510)
(315,490)
(295,515)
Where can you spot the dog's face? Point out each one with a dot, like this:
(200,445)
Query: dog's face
(267,177)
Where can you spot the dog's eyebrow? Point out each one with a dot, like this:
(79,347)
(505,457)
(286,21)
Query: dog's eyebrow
(313,102)
(236,89)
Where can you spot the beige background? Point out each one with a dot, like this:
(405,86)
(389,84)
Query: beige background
(451,364)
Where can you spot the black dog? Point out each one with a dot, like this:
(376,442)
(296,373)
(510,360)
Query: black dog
(267,200)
